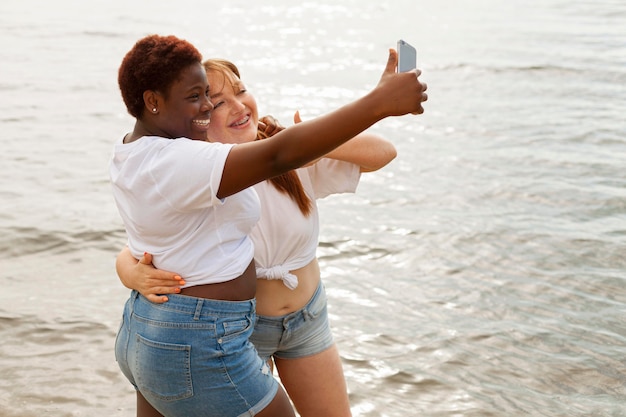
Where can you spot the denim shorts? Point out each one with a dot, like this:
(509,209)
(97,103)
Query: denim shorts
(192,357)
(302,333)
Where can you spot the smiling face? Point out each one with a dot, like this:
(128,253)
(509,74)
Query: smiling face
(235,116)
(186,109)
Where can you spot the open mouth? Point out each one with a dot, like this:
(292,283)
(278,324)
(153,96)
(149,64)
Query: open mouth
(241,121)
(202,122)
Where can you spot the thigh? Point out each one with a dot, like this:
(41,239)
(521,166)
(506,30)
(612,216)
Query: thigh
(144,409)
(279,407)
(316,384)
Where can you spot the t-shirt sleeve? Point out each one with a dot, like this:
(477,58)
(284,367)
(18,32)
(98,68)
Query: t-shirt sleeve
(330,176)
(188,173)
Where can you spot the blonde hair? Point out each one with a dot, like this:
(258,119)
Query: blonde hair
(289,182)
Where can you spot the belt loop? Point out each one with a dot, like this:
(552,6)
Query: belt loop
(196,316)
(306,314)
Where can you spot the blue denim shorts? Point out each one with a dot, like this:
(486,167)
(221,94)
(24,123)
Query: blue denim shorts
(192,357)
(302,333)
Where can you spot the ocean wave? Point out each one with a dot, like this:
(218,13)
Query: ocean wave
(19,240)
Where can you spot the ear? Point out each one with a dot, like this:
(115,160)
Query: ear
(151,101)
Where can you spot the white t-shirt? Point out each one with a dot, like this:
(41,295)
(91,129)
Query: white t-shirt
(284,239)
(165,191)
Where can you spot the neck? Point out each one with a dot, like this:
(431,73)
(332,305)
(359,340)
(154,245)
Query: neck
(140,130)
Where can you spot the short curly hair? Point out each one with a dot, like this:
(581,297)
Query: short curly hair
(154,63)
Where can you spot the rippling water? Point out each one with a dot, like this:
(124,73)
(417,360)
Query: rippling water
(482,273)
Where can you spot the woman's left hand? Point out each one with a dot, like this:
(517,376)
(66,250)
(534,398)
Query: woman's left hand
(153,283)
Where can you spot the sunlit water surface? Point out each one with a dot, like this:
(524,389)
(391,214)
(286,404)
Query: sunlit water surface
(481,273)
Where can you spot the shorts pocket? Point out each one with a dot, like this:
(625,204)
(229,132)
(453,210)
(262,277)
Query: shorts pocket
(236,328)
(163,370)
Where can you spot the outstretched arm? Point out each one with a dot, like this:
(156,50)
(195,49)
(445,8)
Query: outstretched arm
(142,276)
(396,94)
(369,151)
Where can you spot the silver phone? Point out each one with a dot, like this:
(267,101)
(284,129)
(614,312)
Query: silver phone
(407,56)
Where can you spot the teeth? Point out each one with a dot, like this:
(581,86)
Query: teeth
(242,121)
(202,123)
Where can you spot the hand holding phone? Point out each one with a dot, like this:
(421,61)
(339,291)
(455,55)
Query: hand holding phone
(407,56)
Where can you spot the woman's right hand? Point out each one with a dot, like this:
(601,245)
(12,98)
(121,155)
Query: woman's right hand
(400,93)
(143,277)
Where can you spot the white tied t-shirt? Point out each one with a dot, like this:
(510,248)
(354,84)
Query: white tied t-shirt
(165,191)
(285,240)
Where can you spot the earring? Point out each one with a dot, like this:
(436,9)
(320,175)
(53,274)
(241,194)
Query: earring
(154,110)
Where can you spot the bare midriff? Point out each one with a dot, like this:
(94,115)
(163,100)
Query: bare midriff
(239,289)
(273,298)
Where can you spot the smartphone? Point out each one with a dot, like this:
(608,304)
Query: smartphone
(407,56)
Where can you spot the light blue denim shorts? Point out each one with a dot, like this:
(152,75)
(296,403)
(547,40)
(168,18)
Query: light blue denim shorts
(192,357)
(303,333)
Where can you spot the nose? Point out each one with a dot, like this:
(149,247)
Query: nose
(239,106)
(208,105)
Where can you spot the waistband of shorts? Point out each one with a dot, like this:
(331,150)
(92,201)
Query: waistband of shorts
(201,306)
(315,298)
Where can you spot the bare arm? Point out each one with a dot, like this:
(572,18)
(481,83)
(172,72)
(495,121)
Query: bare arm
(142,276)
(249,163)
(368,150)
